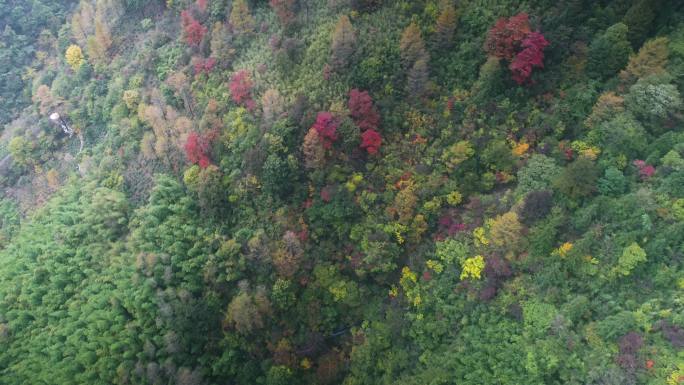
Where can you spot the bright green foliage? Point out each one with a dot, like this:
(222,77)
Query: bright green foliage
(20,149)
(537,316)
(673,160)
(58,262)
(631,256)
(678,209)
(451,251)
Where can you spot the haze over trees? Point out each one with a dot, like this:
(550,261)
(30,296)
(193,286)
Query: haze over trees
(356,192)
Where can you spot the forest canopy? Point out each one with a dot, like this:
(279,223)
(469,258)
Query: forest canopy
(356,192)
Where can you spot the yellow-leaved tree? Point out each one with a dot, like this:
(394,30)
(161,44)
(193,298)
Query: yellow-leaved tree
(241,18)
(472,267)
(74,57)
(505,233)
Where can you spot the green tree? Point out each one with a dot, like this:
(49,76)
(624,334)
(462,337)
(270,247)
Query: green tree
(537,174)
(652,101)
(609,52)
(621,135)
(21,150)
(613,182)
(578,179)
(639,19)
(631,256)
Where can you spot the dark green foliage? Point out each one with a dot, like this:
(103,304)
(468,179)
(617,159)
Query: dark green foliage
(578,179)
(536,206)
(613,182)
(366,5)
(279,176)
(639,20)
(609,52)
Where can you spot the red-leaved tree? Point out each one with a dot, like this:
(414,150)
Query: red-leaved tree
(512,39)
(205,65)
(504,39)
(371,141)
(197,149)
(361,109)
(202,5)
(241,89)
(194,31)
(645,170)
(326,127)
(531,56)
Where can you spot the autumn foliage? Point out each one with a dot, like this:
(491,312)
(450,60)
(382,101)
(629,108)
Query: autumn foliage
(197,149)
(241,18)
(202,5)
(505,38)
(371,141)
(411,45)
(241,89)
(205,65)
(531,56)
(512,39)
(415,59)
(361,109)
(194,31)
(326,127)
(445,27)
(367,118)
(314,153)
(645,170)
(74,57)
(343,43)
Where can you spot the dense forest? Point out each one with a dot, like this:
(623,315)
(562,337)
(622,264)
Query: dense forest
(356,192)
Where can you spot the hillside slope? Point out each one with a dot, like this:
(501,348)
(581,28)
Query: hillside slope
(342,192)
